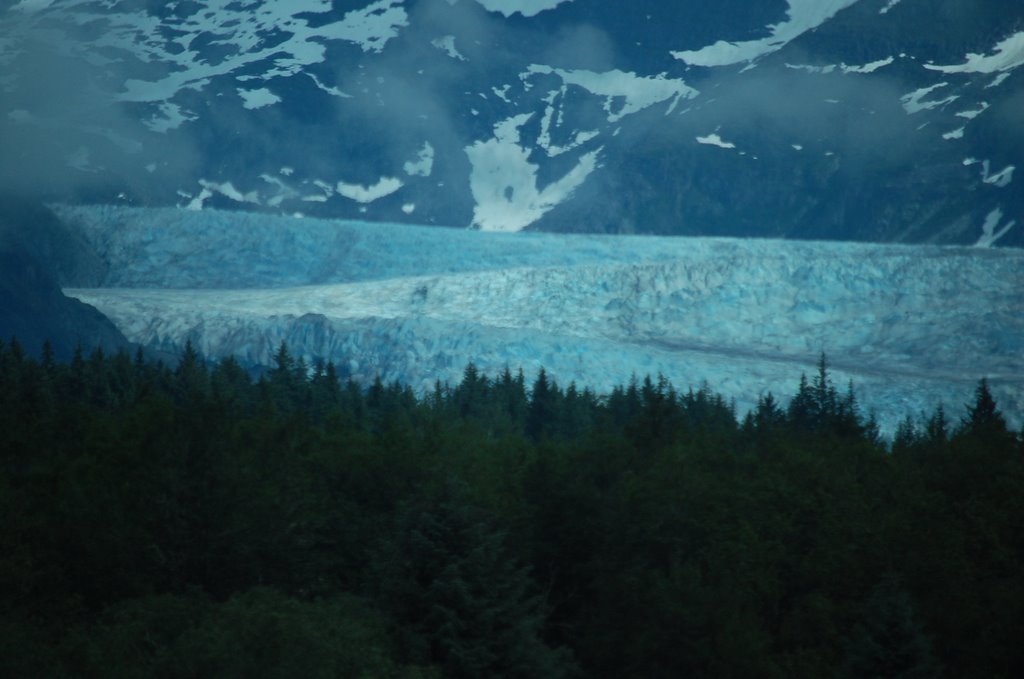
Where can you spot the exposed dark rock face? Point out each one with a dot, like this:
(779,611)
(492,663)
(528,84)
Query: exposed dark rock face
(867,120)
(37,256)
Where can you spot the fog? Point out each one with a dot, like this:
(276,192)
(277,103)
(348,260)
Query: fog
(62,129)
(65,131)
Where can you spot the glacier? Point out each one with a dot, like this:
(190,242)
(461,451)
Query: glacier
(911,326)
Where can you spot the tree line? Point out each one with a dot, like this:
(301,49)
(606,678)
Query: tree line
(194,520)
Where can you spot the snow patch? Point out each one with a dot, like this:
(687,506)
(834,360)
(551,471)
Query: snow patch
(409,208)
(889,6)
(1007,55)
(283,190)
(171,117)
(333,91)
(238,27)
(1001,179)
(32,6)
(226,189)
(714,140)
(971,115)
(803,15)
(424,163)
(503,181)
(954,134)
(370,27)
(989,232)
(527,8)
(197,202)
(998,80)
(843,67)
(553,150)
(258,98)
(447,45)
(914,101)
(625,92)
(549,120)
(367,194)
(869,67)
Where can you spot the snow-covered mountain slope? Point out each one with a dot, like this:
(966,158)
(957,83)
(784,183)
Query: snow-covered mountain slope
(867,120)
(911,325)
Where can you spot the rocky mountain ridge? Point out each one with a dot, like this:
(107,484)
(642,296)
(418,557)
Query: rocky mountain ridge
(866,120)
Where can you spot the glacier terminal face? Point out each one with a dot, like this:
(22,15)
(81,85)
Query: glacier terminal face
(911,326)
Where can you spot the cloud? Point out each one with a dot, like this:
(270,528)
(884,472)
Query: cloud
(581,47)
(61,129)
(1007,114)
(854,115)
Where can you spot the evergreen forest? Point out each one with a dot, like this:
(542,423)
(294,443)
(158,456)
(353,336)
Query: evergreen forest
(196,520)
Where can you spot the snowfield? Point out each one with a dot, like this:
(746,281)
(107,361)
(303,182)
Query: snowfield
(803,16)
(912,326)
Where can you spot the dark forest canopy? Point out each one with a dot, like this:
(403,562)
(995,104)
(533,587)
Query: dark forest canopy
(192,521)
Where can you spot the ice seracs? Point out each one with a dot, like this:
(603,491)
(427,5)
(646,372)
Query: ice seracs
(911,325)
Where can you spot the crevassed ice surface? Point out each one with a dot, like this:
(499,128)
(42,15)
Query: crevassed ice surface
(912,326)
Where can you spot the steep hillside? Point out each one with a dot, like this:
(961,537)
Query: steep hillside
(867,120)
(38,254)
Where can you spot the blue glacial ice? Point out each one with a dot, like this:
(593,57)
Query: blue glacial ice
(912,326)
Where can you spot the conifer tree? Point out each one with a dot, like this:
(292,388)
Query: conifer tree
(906,437)
(803,411)
(824,393)
(983,417)
(768,415)
(937,428)
(541,414)
(464,603)
(889,641)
